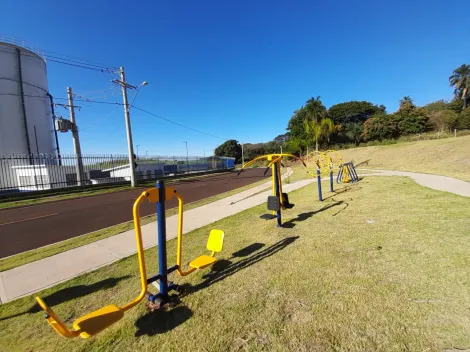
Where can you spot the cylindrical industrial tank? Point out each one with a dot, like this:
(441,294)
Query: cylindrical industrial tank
(26,125)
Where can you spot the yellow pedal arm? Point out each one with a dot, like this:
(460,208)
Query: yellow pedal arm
(55,322)
(179,248)
(140,249)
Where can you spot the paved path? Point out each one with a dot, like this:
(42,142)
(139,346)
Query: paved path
(440,183)
(33,277)
(26,228)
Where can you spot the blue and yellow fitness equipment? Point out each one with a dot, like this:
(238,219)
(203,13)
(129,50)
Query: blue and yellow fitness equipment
(94,322)
(347,173)
(278,200)
(320,164)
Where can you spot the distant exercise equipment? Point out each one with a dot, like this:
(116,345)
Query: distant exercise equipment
(278,200)
(347,173)
(94,322)
(320,164)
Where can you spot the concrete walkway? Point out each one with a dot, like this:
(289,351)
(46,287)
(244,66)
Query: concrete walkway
(47,272)
(440,183)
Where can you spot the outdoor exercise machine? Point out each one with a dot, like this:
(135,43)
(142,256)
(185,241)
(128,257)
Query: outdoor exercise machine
(278,200)
(94,322)
(347,173)
(320,164)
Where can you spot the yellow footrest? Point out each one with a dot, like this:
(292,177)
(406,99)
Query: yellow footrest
(202,262)
(96,321)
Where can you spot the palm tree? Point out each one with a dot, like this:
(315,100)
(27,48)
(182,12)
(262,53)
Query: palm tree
(406,101)
(315,109)
(328,127)
(318,129)
(315,123)
(460,80)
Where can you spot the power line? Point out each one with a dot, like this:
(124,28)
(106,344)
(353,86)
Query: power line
(83,60)
(80,64)
(50,58)
(176,123)
(85,67)
(56,98)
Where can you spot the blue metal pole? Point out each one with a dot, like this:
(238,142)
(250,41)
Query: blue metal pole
(354,172)
(331,181)
(161,226)
(276,181)
(320,197)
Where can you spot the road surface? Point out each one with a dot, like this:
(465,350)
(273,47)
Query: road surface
(27,228)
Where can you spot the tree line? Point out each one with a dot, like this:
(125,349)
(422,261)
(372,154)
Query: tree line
(356,122)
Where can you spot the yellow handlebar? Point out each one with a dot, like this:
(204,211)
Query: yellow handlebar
(140,249)
(179,249)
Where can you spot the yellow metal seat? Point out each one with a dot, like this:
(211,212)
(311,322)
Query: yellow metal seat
(215,243)
(202,262)
(96,321)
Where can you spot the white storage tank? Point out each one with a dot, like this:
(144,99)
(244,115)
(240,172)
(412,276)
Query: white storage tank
(26,125)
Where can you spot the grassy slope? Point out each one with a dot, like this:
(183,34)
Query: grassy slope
(449,157)
(44,252)
(373,268)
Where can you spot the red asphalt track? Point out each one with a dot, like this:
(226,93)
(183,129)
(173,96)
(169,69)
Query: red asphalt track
(26,228)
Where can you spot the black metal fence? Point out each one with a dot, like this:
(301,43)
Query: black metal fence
(38,172)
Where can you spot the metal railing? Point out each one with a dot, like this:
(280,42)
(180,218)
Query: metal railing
(39,172)
(22,44)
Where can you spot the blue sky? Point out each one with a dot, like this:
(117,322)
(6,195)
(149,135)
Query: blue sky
(238,69)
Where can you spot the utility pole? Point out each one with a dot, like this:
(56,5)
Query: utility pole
(76,139)
(187,156)
(281,149)
(127,119)
(243,155)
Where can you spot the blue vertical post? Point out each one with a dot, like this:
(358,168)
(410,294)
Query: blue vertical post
(276,181)
(340,174)
(161,226)
(320,197)
(331,181)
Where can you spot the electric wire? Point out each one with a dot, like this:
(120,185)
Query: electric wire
(177,123)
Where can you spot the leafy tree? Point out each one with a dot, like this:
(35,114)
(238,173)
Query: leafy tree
(295,126)
(456,105)
(411,119)
(460,80)
(464,119)
(379,127)
(436,106)
(296,146)
(281,139)
(443,119)
(353,131)
(353,111)
(230,148)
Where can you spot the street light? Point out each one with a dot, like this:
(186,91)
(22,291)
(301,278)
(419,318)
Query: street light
(187,160)
(137,147)
(144,83)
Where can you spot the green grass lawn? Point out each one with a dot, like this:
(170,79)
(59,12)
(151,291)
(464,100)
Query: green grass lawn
(448,157)
(44,252)
(383,265)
